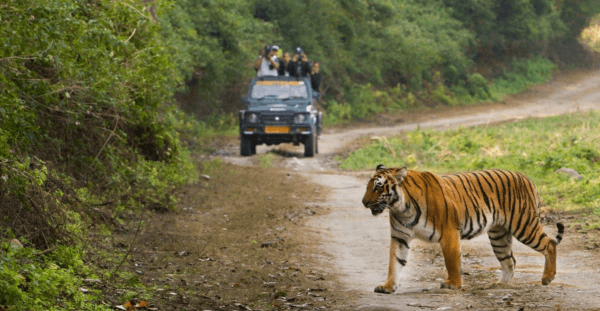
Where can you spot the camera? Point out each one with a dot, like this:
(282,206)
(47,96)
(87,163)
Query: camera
(267,50)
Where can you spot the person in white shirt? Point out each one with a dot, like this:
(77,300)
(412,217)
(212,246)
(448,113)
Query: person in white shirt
(267,63)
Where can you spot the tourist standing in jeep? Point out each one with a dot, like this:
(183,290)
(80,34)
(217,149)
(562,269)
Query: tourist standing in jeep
(267,63)
(285,64)
(300,67)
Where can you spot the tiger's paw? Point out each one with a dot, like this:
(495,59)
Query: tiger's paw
(383,289)
(447,285)
(546,280)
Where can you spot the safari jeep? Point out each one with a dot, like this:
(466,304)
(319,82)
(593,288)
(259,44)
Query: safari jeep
(280,110)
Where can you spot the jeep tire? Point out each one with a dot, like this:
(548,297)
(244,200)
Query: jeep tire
(247,146)
(310,145)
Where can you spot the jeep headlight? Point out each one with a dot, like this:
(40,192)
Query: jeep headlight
(300,118)
(253,118)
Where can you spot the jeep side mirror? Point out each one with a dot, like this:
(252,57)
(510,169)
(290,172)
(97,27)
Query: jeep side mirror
(245,100)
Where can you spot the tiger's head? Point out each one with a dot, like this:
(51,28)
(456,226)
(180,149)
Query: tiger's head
(381,192)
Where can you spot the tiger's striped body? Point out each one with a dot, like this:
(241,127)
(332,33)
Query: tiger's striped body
(446,209)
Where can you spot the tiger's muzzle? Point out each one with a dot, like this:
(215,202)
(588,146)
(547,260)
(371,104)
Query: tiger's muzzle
(376,208)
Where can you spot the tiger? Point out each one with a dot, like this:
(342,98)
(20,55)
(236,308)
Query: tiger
(449,208)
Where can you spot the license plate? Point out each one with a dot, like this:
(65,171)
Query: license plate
(277,129)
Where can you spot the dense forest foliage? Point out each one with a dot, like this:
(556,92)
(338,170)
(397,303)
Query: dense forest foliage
(91,90)
(393,54)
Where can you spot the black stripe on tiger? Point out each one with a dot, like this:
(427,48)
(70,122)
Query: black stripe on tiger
(401,241)
(561,230)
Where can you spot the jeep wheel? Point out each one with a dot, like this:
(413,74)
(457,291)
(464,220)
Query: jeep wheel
(310,144)
(247,146)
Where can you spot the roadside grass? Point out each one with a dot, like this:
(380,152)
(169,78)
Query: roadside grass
(535,147)
(266,160)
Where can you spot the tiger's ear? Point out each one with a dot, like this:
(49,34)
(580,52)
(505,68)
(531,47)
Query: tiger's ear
(380,167)
(400,175)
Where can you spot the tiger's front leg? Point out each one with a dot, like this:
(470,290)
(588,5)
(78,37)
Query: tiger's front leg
(450,243)
(399,251)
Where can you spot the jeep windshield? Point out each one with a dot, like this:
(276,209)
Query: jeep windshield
(283,89)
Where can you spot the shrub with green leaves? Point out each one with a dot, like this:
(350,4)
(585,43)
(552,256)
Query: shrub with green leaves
(30,281)
(524,73)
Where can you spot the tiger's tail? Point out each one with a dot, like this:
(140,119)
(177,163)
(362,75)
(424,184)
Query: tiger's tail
(561,230)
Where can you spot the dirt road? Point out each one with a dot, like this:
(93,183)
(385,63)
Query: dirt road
(359,242)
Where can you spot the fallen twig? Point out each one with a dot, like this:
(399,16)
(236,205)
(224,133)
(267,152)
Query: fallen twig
(137,231)
(46,250)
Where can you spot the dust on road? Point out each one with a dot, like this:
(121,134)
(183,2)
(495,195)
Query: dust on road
(359,242)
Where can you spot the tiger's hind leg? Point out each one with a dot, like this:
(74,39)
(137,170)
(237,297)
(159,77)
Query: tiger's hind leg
(534,237)
(501,241)
(550,265)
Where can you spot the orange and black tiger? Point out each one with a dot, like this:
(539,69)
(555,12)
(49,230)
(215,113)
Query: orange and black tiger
(449,208)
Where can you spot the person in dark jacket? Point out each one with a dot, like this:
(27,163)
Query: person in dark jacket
(285,65)
(315,79)
(300,66)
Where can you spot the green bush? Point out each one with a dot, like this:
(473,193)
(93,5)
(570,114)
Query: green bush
(524,74)
(29,281)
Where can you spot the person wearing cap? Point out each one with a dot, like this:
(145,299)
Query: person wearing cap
(276,51)
(300,66)
(267,62)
